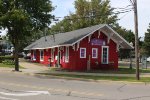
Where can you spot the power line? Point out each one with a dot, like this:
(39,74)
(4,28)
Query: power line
(123,10)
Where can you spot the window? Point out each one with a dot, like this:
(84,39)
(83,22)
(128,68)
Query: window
(52,54)
(34,55)
(105,54)
(82,52)
(41,55)
(94,53)
(67,54)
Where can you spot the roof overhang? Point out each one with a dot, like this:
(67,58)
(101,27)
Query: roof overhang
(50,47)
(109,32)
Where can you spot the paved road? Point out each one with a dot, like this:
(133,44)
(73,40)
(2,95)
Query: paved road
(17,86)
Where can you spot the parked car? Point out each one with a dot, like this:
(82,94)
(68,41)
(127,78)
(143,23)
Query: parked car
(27,56)
(21,55)
(148,59)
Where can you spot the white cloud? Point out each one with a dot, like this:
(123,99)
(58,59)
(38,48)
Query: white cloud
(64,6)
(143,15)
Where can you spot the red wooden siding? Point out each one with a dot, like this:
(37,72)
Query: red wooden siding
(77,63)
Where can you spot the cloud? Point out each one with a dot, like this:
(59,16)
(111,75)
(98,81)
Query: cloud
(127,20)
(63,7)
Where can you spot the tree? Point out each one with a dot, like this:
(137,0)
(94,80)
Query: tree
(147,42)
(129,36)
(87,14)
(21,18)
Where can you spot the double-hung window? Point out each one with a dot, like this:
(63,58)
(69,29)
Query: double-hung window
(105,55)
(82,52)
(41,55)
(34,55)
(67,54)
(94,53)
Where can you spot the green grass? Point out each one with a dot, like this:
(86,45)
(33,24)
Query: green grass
(110,78)
(127,70)
(9,66)
(121,70)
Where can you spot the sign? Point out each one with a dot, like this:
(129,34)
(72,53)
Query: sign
(99,42)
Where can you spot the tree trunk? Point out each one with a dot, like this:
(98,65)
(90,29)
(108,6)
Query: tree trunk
(16,55)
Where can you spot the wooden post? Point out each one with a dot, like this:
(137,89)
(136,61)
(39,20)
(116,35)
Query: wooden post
(136,40)
(89,64)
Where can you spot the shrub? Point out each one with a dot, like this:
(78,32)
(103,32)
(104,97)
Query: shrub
(3,58)
(8,62)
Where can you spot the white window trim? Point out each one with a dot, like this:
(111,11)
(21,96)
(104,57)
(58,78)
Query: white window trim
(107,54)
(84,54)
(96,52)
(40,55)
(67,54)
(52,55)
(34,53)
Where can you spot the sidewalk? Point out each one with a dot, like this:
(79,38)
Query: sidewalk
(39,68)
(34,68)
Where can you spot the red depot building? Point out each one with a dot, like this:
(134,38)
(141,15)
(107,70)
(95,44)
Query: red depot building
(94,47)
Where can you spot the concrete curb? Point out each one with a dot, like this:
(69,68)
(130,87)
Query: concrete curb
(82,79)
(69,78)
(89,80)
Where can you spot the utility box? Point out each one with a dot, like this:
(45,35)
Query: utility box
(144,62)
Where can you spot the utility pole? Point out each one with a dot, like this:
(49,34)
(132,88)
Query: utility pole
(136,40)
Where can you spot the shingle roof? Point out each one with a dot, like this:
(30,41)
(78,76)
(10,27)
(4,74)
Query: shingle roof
(67,38)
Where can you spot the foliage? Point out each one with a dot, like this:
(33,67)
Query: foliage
(8,62)
(127,35)
(3,58)
(87,14)
(93,13)
(21,18)
(147,42)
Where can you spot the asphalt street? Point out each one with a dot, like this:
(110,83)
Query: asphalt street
(18,86)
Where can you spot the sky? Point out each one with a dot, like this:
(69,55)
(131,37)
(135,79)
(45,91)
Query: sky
(63,7)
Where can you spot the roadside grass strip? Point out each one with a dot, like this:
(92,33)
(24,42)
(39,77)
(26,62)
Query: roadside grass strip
(96,78)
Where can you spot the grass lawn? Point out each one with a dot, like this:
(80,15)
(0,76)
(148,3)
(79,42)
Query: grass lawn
(110,78)
(121,70)
(8,66)
(127,70)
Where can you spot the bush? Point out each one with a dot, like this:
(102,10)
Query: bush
(8,62)
(3,58)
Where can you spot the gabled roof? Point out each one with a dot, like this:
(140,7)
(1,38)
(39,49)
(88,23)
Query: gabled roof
(72,37)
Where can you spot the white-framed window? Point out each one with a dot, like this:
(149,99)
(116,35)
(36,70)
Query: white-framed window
(94,52)
(52,54)
(41,55)
(82,52)
(105,52)
(34,55)
(67,54)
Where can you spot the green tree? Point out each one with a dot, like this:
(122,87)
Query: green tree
(93,12)
(87,14)
(21,18)
(129,36)
(147,42)
(126,34)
